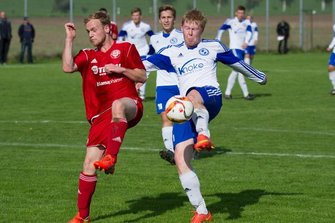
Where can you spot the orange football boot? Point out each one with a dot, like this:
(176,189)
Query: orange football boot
(78,219)
(203,143)
(107,163)
(198,218)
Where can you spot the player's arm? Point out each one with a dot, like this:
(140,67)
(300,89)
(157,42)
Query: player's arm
(137,75)
(332,44)
(67,58)
(255,35)
(225,26)
(238,65)
(248,36)
(158,62)
(122,35)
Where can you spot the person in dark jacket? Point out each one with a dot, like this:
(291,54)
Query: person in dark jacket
(27,34)
(283,32)
(5,37)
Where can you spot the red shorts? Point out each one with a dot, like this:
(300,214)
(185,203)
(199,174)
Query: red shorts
(100,126)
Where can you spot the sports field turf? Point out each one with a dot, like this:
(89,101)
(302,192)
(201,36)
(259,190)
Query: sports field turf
(274,162)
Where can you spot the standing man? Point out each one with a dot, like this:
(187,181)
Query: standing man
(5,37)
(195,63)
(109,74)
(239,33)
(283,32)
(27,34)
(135,32)
(166,84)
(250,51)
(331,62)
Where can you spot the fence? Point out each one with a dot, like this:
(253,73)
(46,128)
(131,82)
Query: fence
(310,20)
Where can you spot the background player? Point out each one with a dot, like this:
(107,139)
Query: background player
(166,84)
(331,62)
(194,62)
(111,100)
(135,32)
(113,26)
(250,51)
(239,32)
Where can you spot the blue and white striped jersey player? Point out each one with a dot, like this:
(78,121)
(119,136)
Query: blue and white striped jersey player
(331,62)
(166,84)
(195,63)
(239,33)
(135,32)
(250,51)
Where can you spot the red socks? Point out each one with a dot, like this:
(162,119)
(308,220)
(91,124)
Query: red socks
(86,190)
(117,133)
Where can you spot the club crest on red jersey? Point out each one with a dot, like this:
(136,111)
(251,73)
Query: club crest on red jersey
(115,54)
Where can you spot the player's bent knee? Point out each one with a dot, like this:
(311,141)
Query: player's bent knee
(331,68)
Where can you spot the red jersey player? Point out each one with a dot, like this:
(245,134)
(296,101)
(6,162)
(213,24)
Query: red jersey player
(109,74)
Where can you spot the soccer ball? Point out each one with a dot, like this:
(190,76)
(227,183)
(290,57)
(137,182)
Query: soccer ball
(179,109)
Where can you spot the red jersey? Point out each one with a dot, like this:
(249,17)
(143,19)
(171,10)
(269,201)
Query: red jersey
(99,88)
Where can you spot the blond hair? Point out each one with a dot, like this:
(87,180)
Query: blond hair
(100,15)
(196,16)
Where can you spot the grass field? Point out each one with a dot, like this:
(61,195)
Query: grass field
(274,161)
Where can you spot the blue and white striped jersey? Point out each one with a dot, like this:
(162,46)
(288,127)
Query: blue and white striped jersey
(239,32)
(196,67)
(159,41)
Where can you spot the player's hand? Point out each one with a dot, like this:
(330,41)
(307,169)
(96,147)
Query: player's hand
(70,30)
(244,45)
(112,68)
(329,49)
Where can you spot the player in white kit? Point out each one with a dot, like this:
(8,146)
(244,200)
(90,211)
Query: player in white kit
(195,63)
(166,84)
(250,51)
(135,32)
(331,62)
(239,33)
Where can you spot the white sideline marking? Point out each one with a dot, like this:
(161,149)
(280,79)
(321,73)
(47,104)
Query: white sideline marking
(3,144)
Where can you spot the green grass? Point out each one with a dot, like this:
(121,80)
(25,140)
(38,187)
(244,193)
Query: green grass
(274,160)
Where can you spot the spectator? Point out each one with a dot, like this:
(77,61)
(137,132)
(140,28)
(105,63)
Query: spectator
(5,37)
(283,32)
(27,34)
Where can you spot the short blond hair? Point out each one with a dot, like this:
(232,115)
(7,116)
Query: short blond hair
(100,15)
(196,16)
